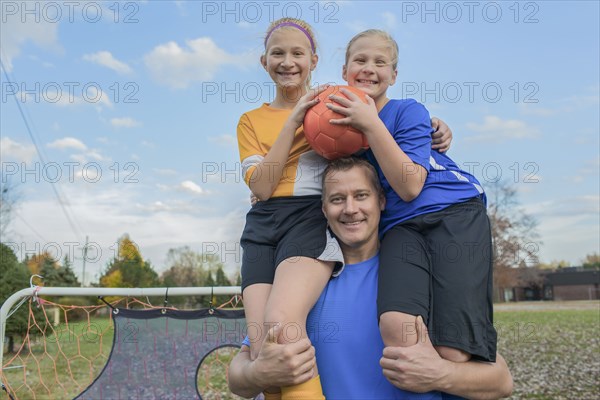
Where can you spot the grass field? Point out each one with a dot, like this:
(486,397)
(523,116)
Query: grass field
(553,350)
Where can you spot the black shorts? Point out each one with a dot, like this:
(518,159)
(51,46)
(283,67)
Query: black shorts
(284,228)
(439,265)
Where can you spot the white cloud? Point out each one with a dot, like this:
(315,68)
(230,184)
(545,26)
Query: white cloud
(580,206)
(225,140)
(68,143)
(93,96)
(590,168)
(125,122)
(576,216)
(16,33)
(106,211)
(191,187)
(9,149)
(84,158)
(200,60)
(495,129)
(389,19)
(106,59)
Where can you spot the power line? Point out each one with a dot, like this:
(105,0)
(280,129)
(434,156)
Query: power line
(63,204)
(29,226)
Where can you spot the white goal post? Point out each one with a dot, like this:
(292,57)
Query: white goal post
(91,291)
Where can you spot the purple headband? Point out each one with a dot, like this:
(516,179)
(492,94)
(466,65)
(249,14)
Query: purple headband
(295,25)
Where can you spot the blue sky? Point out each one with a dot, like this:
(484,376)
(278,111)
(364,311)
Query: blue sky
(134,106)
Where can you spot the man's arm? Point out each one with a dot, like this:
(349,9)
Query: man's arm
(419,368)
(276,365)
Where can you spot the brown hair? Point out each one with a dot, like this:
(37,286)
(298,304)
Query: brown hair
(346,164)
(382,35)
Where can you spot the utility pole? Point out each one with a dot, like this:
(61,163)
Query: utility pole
(84,258)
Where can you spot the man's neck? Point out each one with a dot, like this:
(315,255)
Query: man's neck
(360,254)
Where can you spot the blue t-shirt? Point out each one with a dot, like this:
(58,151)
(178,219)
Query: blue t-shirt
(343,328)
(409,123)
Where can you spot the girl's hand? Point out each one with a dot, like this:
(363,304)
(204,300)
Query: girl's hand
(305,102)
(442,135)
(253,199)
(357,114)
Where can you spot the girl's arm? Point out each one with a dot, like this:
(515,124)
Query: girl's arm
(267,173)
(406,177)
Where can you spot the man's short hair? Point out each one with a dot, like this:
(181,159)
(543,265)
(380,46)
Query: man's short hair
(346,164)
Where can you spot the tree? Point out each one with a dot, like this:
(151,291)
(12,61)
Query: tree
(221,280)
(128,269)
(186,268)
(591,261)
(8,199)
(14,278)
(58,275)
(207,301)
(554,264)
(514,236)
(189,268)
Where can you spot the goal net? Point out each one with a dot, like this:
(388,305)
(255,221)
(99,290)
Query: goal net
(134,346)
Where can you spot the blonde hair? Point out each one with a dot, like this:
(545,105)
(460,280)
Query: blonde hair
(382,35)
(298,24)
(293,23)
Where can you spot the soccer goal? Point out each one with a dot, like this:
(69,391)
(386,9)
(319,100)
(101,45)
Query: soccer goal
(125,343)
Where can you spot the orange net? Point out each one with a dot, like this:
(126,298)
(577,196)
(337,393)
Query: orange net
(65,347)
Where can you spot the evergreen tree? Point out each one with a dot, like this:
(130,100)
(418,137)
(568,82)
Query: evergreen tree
(221,280)
(14,278)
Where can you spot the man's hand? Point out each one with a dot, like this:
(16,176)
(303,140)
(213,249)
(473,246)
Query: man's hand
(417,368)
(276,365)
(285,364)
(442,135)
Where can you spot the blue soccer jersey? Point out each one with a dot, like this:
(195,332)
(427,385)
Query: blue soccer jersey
(409,123)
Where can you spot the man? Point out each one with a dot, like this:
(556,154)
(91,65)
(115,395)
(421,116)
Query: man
(343,326)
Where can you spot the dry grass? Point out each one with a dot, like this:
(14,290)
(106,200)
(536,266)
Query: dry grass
(552,348)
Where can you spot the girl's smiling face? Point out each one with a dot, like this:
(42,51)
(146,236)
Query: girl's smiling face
(370,67)
(289,59)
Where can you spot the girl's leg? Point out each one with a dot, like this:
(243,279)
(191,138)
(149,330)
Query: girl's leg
(452,354)
(298,284)
(255,301)
(404,285)
(398,329)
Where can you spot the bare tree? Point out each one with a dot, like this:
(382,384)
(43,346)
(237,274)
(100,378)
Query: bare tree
(514,235)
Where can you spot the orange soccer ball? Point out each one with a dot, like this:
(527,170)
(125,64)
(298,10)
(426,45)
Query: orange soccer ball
(332,141)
